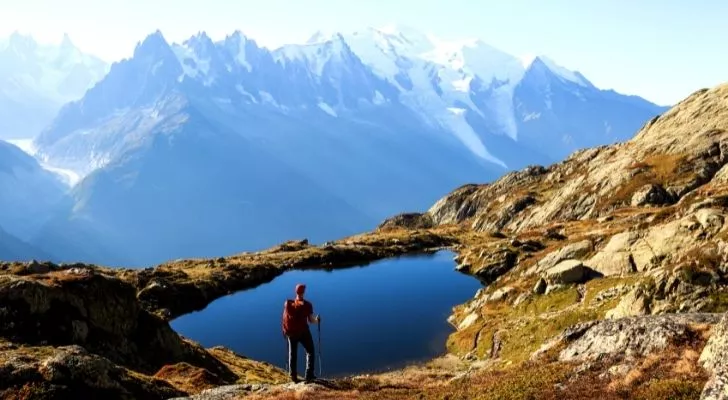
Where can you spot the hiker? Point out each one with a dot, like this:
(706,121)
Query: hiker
(297,314)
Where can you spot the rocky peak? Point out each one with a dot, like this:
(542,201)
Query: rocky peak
(22,43)
(201,44)
(66,42)
(154,46)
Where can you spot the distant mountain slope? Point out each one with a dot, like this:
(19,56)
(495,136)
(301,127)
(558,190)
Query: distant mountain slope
(208,148)
(558,116)
(673,160)
(28,193)
(14,249)
(36,80)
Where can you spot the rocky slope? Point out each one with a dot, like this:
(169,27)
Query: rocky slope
(604,277)
(14,249)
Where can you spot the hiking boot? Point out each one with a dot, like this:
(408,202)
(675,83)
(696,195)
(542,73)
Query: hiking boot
(294,379)
(310,379)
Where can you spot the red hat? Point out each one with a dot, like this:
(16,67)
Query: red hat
(300,288)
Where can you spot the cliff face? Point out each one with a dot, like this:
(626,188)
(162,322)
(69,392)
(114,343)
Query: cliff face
(74,331)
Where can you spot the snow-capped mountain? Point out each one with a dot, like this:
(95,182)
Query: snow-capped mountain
(558,111)
(207,148)
(29,194)
(36,80)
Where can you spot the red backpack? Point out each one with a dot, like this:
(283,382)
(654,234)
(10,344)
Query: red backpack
(295,317)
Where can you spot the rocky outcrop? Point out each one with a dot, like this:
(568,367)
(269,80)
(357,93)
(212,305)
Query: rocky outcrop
(569,272)
(495,264)
(634,303)
(79,332)
(714,358)
(98,312)
(71,372)
(632,336)
(653,246)
(227,392)
(576,250)
(651,194)
(670,157)
(408,221)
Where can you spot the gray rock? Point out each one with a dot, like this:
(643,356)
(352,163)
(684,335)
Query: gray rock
(572,251)
(496,264)
(553,288)
(716,388)
(610,293)
(521,298)
(500,294)
(714,359)
(468,321)
(632,336)
(712,220)
(540,287)
(651,195)
(635,303)
(615,258)
(569,271)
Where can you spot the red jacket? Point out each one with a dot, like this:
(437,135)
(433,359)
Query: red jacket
(295,316)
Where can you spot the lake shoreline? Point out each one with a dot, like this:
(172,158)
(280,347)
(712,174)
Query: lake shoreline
(374,320)
(79,314)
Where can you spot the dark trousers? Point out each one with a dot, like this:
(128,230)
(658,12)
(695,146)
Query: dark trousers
(307,341)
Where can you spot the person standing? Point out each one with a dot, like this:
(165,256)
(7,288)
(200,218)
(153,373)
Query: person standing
(297,314)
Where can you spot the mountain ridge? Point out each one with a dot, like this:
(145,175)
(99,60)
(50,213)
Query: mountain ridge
(37,79)
(315,118)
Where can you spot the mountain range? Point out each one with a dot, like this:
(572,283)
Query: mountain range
(36,80)
(205,148)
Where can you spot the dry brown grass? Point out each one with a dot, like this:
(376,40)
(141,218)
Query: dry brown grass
(660,169)
(673,374)
(188,378)
(248,370)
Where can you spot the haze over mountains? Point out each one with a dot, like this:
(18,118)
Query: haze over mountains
(36,80)
(209,148)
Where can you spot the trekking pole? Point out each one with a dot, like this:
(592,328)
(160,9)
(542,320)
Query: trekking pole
(319,350)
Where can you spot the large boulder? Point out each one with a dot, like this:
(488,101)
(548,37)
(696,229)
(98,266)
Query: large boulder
(615,258)
(634,303)
(576,250)
(495,264)
(632,336)
(568,272)
(100,313)
(651,194)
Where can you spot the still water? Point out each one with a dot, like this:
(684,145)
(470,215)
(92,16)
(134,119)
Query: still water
(384,315)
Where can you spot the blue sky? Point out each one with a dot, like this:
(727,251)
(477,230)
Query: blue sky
(660,49)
